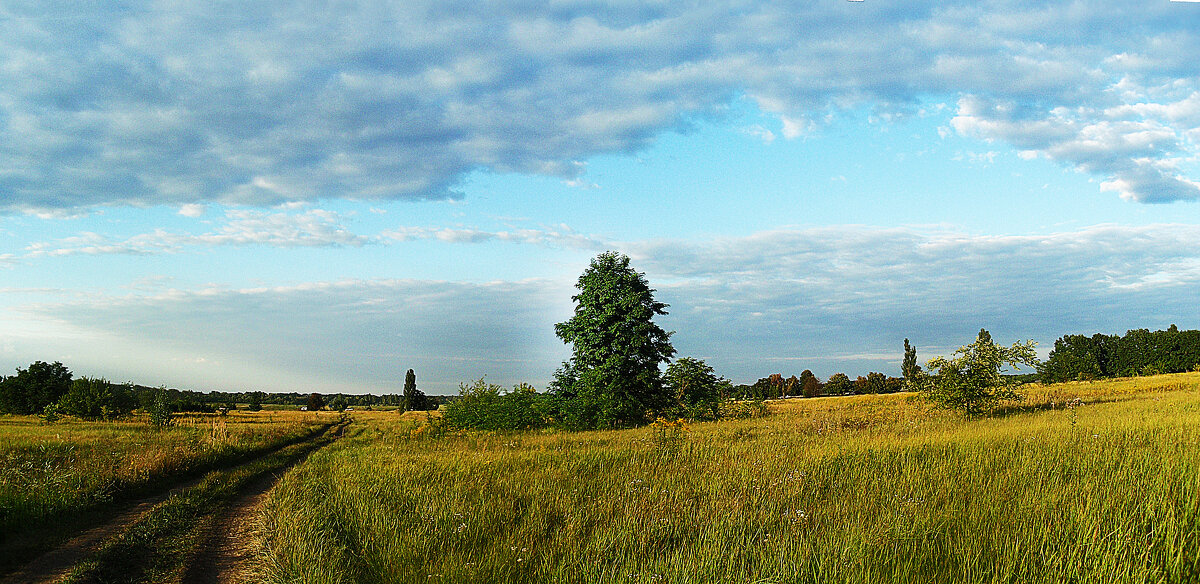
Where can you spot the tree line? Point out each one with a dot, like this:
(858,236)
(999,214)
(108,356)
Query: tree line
(52,390)
(1137,352)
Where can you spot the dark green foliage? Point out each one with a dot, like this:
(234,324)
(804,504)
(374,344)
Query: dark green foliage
(338,403)
(97,399)
(838,384)
(315,402)
(414,399)
(1137,352)
(32,389)
(909,367)
(613,376)
(484,406)
(810,386)
(696,388)
(255,403)
(971,382)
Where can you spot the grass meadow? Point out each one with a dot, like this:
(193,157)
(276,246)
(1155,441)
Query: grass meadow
(1081,482)
(62,472)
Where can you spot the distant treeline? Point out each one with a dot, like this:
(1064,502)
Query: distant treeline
(808,385)
(1137,352)
(32,390)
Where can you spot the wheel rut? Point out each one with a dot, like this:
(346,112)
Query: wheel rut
(224,553)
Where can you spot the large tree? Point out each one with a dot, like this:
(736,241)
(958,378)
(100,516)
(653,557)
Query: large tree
(613,376)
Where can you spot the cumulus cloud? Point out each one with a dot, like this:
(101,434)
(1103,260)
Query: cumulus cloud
(157,103)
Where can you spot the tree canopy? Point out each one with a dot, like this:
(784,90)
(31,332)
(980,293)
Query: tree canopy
(971,381)
(613,376)
(32,389)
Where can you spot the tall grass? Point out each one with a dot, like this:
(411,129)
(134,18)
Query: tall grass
(51,471)
(859,489)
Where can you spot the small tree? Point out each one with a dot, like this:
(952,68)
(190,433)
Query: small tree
(909,367)
(414,399)
(315,402)
(339,403)
(971,382)
(696,387)
(255,402)
(160,409)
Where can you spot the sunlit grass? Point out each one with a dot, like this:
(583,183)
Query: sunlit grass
(49,470)
(856,489)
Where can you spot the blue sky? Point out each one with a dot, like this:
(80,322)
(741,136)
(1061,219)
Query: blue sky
(296,197)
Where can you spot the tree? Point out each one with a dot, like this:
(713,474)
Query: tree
(315,402)
(695,386)
(810,386)
(339,403)
(971,382)
(909,368)
(838,384)
(414,399)
(97,399)
(32,389)
(613,376)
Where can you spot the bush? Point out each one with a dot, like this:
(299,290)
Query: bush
(484,406)
(738,410)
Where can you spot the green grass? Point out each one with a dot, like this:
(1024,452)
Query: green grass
(858,489)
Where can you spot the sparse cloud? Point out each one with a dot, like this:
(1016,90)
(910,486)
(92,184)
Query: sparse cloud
(155,104)
(449,332)
(312,228)
(290,229)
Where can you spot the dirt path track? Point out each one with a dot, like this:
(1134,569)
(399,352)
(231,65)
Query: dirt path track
(224,555)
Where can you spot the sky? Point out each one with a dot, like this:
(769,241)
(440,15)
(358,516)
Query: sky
(308,196)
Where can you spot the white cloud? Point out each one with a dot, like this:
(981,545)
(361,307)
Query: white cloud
(160,104)
(191,210)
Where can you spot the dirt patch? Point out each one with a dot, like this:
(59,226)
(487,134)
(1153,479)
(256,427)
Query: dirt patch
(226,554)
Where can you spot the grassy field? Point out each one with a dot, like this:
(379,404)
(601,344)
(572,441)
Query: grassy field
(1085,482)
(66,471)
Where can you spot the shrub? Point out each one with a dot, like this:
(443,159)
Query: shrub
(485,406)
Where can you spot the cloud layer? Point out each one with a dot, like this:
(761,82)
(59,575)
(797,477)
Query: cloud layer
(166,103)
(834,299)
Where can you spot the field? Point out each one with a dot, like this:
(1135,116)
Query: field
(58,478)
(1081,482)
(1091,482)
